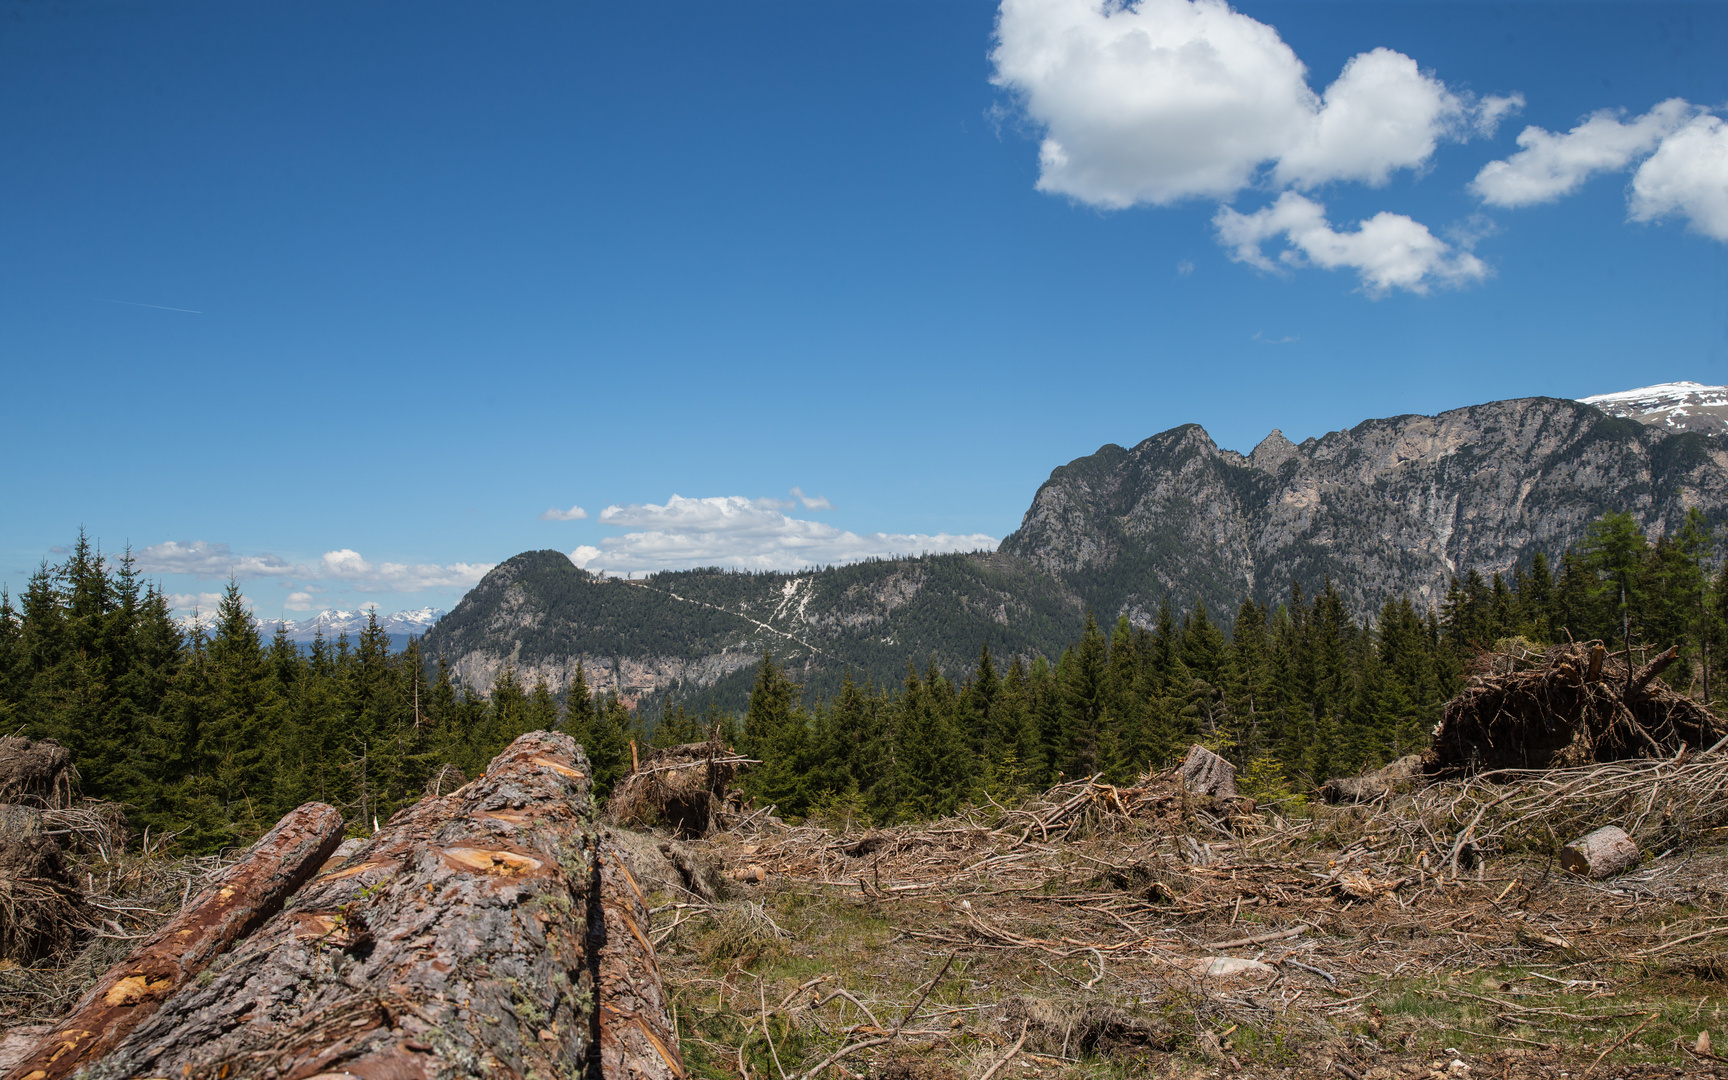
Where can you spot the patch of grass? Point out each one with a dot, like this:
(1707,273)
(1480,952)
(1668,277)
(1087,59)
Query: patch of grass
(1649,1018)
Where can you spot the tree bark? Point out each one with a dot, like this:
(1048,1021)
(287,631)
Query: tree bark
(1600,854)
(636,1035)
(1205,773)
(250,891)
(469,938)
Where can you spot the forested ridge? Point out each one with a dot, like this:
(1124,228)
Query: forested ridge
(544,613)
(214,736)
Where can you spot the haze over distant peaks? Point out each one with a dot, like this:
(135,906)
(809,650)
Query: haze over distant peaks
(333,622)
(1677,406)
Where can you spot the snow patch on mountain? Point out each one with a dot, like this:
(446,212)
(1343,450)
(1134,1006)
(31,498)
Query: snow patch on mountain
(1677,406)
(331,622)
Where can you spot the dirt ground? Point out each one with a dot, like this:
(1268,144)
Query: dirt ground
(1104,932)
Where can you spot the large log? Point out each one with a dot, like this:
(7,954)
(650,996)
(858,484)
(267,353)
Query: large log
(466,939)
(636,1036)
(1600,854)
(244,896)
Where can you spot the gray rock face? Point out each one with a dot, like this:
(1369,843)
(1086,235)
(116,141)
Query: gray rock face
(1389,507)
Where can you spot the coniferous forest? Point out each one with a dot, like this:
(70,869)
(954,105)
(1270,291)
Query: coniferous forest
(214,735)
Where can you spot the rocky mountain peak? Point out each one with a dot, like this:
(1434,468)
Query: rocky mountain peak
(1391,507)
(1274,450)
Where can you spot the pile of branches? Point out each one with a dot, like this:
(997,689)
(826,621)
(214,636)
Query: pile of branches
(40,902)
(682,789)
(1671,803)
(1576,705)
(35,772)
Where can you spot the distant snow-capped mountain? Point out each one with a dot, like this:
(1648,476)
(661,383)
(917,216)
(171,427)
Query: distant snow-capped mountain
(1676,406)
(333,622)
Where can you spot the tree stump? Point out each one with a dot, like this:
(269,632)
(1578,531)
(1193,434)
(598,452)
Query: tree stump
(1205,773)
(1600,854)
(474,936)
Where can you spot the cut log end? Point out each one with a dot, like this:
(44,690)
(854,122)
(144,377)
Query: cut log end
(1601,854)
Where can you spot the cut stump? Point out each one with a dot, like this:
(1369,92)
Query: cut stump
(1205,773)
(1600,854)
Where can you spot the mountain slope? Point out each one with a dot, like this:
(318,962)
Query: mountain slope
(1675,406)
(1390,506)
(699,633)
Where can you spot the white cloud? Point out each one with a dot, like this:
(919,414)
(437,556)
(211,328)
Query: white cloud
(206,560)
(575,513)
(1380,116)
(205,603)
(584,554)
(348,566)
(750,534)
(1687,176)
(1166,100)
(1549,165)
(813,502)
(299,601)
(1388,251)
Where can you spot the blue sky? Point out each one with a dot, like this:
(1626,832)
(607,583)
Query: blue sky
(342,299)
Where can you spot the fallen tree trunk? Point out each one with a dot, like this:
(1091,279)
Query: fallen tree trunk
(636,1036)
(467,938)
(248,893)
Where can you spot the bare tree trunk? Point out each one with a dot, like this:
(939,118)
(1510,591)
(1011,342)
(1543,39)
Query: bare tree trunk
(467,938)
(251,891)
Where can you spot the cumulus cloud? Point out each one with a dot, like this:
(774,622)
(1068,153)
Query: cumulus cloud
(748,534)
(1388,251)
(1550,165)
(204,603)
(348,566)
(575,513)
(203,559)
(344,566)
(813,502)
(1687,176)
(1165,100)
